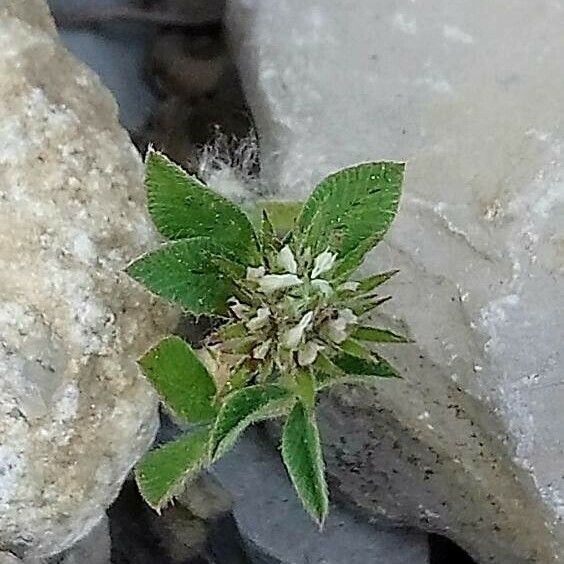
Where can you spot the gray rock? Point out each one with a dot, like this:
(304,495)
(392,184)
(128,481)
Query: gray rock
(75,415)
(278,530)
(94,548)
(470,443)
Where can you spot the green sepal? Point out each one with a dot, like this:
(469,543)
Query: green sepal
(353,370)
(183,272)
(163,472)
(302,455)
(305,387)
(183,207)
(354,348)
(243,408)
(181,380)
(361,306)
(376,335)
(371,282)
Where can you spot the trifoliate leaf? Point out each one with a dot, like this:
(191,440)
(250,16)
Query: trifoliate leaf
(163,472)
(184,273)
(182,207)
(376,335)
(244,407)
(350,211)
(348,369)
(302,455)
(181,380)
(368,284)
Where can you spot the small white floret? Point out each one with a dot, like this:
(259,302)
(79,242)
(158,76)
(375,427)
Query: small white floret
(286,260)
(239,309)
(261,351)
(308,353)
(323,263)
(260,320)
(255,273)
(337,329)
(292,338)
(272,282)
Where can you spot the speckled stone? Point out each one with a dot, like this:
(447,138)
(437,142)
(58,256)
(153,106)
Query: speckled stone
(75,414)
(468,92)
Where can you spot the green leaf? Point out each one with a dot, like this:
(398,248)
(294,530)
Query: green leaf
(301,452)
(378,335)
(353,370)
(350,211)
(368,284)
(183,207)
(163,472)
(181,380)
(244,407)
(305,386)
(184,272)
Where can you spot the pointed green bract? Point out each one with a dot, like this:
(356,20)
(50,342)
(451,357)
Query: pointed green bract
(350,211)
(354,348)
(185,273)
(350,369)
(301,452)
(305,387)
(243,408)
(368,284)
(181,380)
(163,472)
(376,335)
(183,207)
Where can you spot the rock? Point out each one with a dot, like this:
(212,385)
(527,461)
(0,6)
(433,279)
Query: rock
(116,51)
(94,548)
(470,443)
(75,415)
(277,530)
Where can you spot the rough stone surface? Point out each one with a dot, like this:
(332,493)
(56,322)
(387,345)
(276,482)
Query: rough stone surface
(94,548)
(278,531)
(470,444)
(74,412)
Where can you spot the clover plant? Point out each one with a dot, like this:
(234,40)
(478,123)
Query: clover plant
(289,317)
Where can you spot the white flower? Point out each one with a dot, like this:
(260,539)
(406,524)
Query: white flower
(322,286)
(260,320)
(261,351)
(323,263)
(255,273)
(271,282)
(292,337)
(239,309)
(286,260)
(350,285)
(308,353)
(337,328)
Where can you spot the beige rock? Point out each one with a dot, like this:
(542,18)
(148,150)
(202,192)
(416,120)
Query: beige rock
(75,414)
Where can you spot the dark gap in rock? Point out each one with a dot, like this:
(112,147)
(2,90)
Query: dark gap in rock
(445,551)
(184,533)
